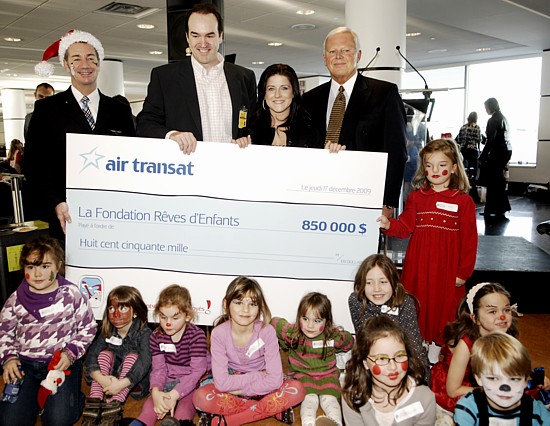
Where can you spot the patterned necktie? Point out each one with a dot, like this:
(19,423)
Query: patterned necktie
(336,117)
(86,110)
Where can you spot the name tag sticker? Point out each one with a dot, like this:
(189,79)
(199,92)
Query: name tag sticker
(386,310)
(408,411)
(114,340)
(318,344)
(447,206)
(254,347)
(51,310)
(167,347)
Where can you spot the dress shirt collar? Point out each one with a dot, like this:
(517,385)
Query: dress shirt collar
(200,71)
(348,87)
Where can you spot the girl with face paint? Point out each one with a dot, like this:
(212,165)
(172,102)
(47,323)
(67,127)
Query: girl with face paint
(440,218)
(501,366)
(384,379)
(484,309)
(119,359)
(313,342)
(178,348)
(45,314)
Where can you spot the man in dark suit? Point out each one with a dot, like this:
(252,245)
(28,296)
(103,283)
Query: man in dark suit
(374,118)
(45,150)
(201,97)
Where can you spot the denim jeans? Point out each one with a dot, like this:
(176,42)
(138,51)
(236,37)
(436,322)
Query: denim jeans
(62,409)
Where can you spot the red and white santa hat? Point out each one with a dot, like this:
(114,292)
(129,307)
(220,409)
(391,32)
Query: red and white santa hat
(59,47)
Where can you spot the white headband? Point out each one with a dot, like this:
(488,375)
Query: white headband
(471,294)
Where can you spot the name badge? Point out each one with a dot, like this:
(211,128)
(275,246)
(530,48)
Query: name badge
(242,117)
(114,340)
(408,411)
(254,347)
(318,344)
(502,422)
(167,347)
(53,309)
(447,206)
(390,311)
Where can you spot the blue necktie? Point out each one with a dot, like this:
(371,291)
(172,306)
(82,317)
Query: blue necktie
(86,110)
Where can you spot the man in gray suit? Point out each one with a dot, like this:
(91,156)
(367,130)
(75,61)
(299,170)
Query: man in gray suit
(201,97)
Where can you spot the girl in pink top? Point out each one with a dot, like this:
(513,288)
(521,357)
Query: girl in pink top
(246,364)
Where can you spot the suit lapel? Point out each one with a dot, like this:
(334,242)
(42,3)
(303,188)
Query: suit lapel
(189,99)
(354,109)
(234,93)
(73,110)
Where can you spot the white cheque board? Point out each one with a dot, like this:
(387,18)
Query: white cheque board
(144,214)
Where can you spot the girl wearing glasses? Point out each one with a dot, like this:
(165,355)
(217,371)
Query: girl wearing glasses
(384,379)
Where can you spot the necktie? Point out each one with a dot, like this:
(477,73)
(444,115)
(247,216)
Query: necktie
(336,117)
(86,110)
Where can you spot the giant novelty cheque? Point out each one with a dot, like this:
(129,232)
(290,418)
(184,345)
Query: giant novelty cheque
(145,215)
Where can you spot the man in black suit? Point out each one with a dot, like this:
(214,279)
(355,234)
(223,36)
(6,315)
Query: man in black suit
(81,54)
(201,97)
(374,118)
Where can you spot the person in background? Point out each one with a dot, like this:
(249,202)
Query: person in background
(82,108)
(494,162)
(501,366)
(384,379)
(43,90)
(13,161)
(47,314)
(202,97)
(468,140)
(374,118)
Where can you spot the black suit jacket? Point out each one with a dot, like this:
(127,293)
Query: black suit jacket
(375,120)
(44,162)
(172,102)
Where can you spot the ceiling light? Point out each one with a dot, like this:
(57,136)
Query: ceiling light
(413,34)
(258,62)
(483,49)
(303,27)
(13,39)
(305,12)
(437,51)
(275,43)
(155,52)
(146,26)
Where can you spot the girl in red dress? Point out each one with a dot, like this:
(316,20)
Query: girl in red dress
(440,218)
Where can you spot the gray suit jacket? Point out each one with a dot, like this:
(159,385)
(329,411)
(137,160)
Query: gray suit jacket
(172,102)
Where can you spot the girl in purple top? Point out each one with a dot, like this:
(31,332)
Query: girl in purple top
(180,358)
(246,364)
(45,314)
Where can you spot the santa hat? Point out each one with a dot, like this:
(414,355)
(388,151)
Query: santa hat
(53,380)
(59,47)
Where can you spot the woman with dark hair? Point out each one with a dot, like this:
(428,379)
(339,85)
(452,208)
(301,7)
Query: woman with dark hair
(279,117)
(494,161)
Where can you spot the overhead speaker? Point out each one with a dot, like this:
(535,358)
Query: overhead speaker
(176,16)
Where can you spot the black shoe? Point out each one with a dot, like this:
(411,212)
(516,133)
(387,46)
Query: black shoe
(286,416)
(205,419)
(170,421)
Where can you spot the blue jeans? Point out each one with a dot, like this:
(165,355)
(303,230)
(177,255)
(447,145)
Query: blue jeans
(62,409)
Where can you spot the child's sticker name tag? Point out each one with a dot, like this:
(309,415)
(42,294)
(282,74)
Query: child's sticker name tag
(318,344)
(53,309)
(501,422)
(390,311)
(408,411)
(447,206)
(167,347)
(114,340)
(254,347)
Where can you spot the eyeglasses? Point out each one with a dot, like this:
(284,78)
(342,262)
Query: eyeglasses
(383,360)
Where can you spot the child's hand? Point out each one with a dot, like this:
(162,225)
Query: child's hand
(159,402)
(11,371)
(115,385)
(172,402)
(64,362)
(384,222)
(460,282)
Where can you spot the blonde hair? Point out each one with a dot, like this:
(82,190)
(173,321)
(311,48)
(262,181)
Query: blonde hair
(448,147)
(240,288)
(502,350)
(178,296)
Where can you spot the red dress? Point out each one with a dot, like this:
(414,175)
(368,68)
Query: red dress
(439,377)
(442,247)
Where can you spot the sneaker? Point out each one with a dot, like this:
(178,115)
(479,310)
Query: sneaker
(286,416)
(92,412)
(326,421)
(111,413)
(170,421)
